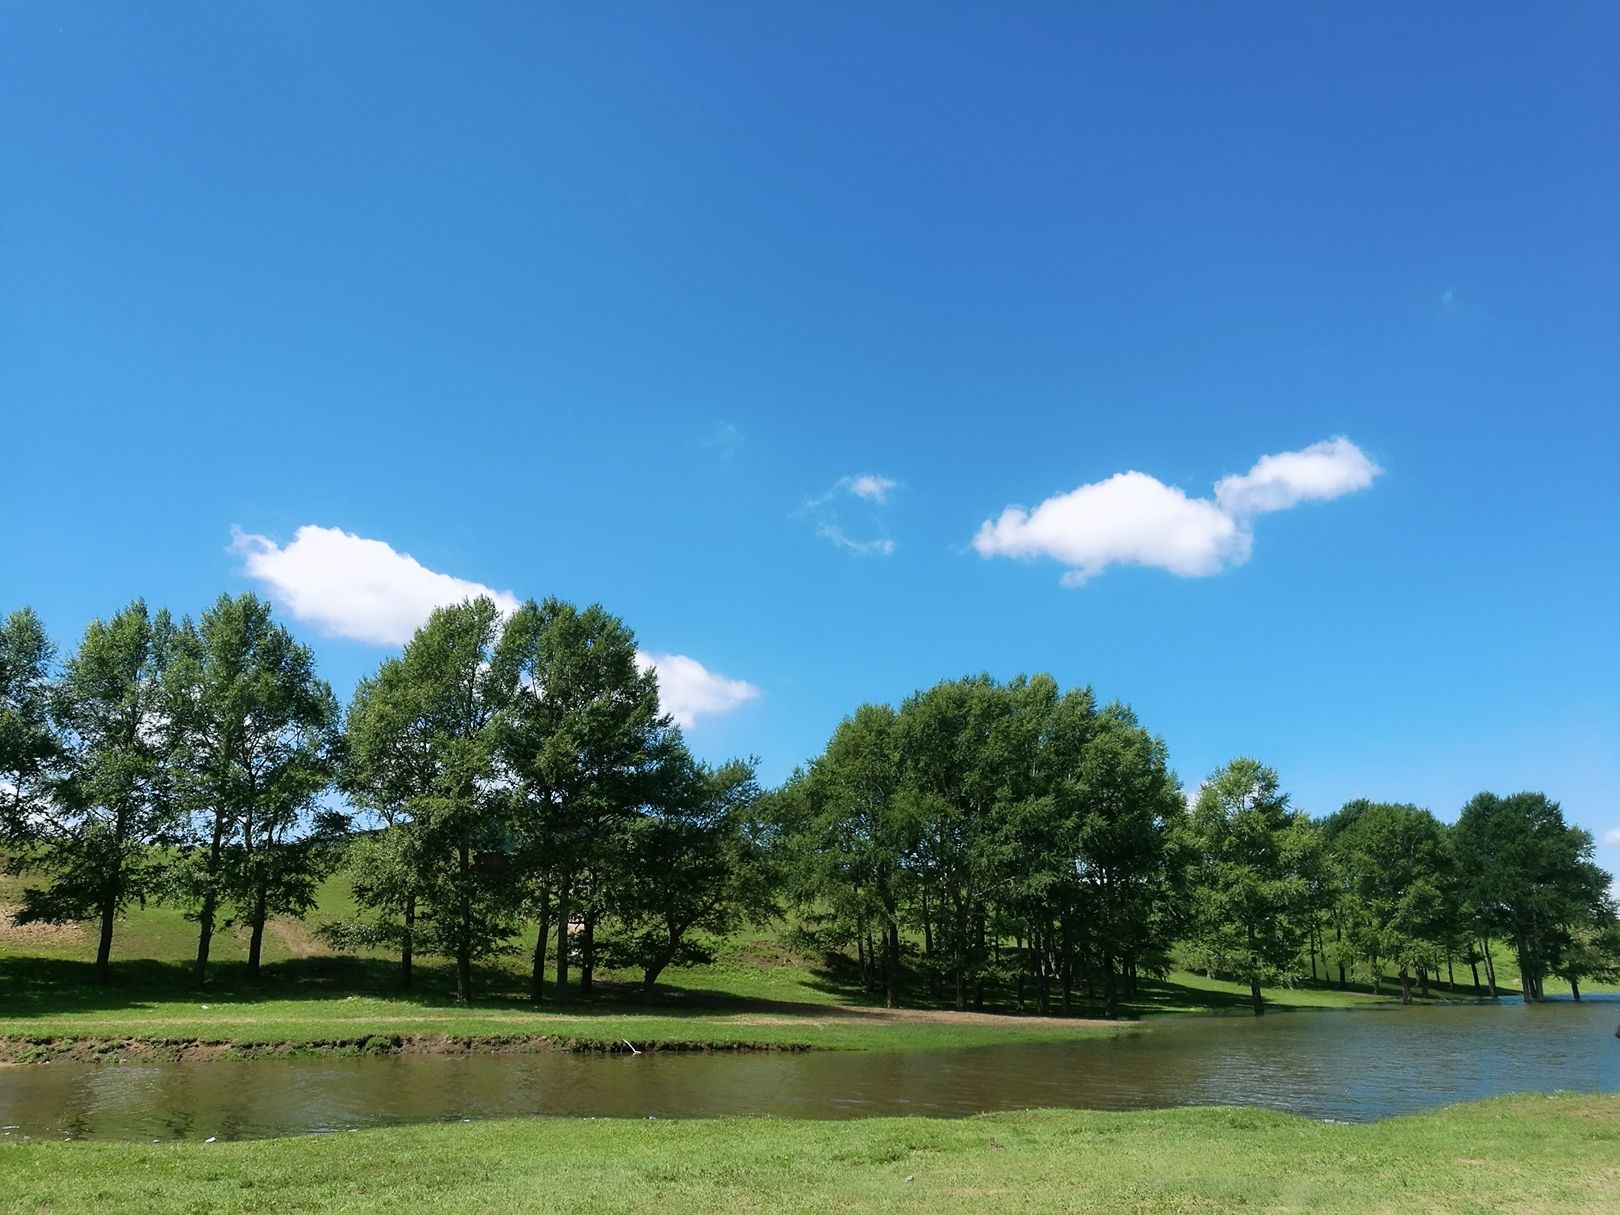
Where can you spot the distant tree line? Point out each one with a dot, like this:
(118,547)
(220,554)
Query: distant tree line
(516,772)
(1025,838)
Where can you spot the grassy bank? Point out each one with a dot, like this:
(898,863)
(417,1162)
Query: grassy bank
(1523,1153)
(761,991)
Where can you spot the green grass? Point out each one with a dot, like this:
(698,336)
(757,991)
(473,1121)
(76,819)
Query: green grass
(760,991)
(1528,1154)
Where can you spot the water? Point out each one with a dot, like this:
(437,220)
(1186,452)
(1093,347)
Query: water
(1352,1065)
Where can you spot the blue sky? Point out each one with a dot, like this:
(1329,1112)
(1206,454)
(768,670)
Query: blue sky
(751,321)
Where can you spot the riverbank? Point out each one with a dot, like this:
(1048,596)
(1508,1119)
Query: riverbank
(762,992)
(1530,1152)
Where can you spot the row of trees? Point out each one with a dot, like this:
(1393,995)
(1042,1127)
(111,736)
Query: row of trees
(1036,842)
(180,761)
(523,771)
(517,769)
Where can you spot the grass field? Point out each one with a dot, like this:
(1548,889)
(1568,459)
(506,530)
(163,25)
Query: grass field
(1529,1154)
(760,991)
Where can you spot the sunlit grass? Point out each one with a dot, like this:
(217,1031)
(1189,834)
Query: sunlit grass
(1520,1153)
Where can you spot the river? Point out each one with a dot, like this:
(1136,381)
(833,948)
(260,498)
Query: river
(1347,1065)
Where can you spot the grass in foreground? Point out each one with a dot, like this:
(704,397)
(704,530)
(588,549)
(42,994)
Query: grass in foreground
(1522,1153)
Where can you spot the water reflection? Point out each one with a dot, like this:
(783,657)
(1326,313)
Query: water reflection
(1351,1065)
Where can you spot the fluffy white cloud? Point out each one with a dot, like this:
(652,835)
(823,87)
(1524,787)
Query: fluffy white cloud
(1134,519)
(366,590)
(1130,519)
(1612,836)
(689,690)
(354,587)
(1325,470)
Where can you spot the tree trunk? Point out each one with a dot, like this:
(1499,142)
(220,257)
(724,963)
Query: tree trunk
(587,951)
(1423,981)
(1406,985)
(109,909)
(1254,976)
(537,979)
(407,943)
(562,941)
(261,900)
(1111,988)
(210,903)
(1490,966)
(464,927)
(891,966)
(1574,987)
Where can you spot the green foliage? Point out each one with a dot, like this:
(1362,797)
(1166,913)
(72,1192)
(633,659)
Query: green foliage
(252,731)
(980,811)
(694,863)
(110,803)
(1252,864)
(421,750)
(1529,877)
(31,748)
(1396,886)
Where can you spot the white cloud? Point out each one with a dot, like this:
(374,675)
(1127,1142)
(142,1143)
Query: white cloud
(363,589)
(1135,519)
(1325,470)
(689,690)
(823,510)
(354,587)
(881,547)
(1612,836)
(872,489)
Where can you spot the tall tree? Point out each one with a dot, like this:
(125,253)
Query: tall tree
(30,743)
(853,835)
(1124,801)
(693,863)
(1395,872)
(96,832)
(578,740)
(422,743)
(387,763)
(1251,856)
(254,729)
(955,741)
(1531,877)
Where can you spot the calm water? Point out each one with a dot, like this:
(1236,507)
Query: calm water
(1353,1065)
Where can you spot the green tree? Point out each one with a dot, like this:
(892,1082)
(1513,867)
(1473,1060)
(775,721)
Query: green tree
(386,764)
(97,832)
(421,745)
(30,743)
(852,836)
(955,740)
(1530,877)
(1250,860)
(1124,802)
(694,863)
(253,731)
(1395,873)
(578,739)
